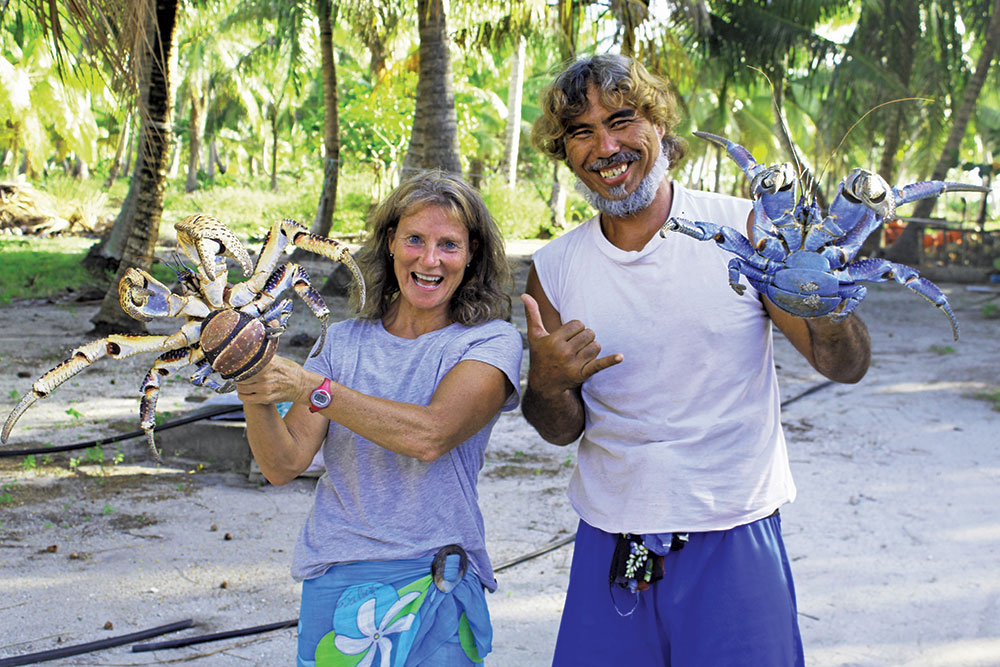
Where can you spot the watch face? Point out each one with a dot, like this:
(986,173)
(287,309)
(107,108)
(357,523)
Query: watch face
(320,398)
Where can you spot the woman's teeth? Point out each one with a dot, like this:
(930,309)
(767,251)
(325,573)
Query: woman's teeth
(615,171)
(422,279)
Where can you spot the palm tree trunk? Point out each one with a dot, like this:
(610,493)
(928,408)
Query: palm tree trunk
(513,129)
(274,150)
(557,198)
(196,132)
(566,17)
(434,138)
(331,123)
(148,181)
(906,249)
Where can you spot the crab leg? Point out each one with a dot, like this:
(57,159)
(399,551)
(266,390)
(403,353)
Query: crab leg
(164,365)
(116,346)
(296,277)
(881,270)
(732,241)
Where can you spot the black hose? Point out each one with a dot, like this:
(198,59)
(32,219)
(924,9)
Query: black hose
(810,390)
(177,643)
(66,651)
(180,421)
(534,554)
(187,641)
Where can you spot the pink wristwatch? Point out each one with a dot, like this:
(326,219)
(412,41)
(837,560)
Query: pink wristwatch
(320,397)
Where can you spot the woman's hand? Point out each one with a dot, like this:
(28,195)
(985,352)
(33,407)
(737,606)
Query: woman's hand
(280,380)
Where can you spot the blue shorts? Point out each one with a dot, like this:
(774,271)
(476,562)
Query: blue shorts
(726,598)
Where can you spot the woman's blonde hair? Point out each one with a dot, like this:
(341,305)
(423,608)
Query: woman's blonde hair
(481,296)
(621,82)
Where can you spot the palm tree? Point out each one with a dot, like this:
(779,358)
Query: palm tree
(907,246)
(512,131)
(143,207)
(331,122)
(134,37)
(434,138)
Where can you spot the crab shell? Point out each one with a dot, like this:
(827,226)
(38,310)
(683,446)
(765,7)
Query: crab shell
(236,344)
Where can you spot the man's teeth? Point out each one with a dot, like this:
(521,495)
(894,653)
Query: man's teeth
(615,171)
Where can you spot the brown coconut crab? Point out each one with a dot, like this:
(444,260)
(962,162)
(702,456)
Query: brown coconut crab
(229,329)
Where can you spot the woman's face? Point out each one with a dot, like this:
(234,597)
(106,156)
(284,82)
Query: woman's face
(431,249)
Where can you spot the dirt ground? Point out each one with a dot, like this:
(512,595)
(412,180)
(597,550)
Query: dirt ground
(894,538)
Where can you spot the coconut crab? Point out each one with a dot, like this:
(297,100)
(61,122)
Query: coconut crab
(229,329)
(804,261)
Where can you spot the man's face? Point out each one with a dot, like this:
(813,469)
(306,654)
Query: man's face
(611,150)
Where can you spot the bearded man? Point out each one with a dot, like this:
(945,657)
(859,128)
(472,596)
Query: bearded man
(682,463)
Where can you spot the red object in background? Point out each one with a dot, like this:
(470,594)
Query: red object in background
(932,238)
(892,231)
(939,238)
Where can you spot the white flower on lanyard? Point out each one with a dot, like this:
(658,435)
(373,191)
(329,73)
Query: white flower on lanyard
(376,636)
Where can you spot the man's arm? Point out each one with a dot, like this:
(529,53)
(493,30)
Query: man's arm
(841,351)
(558,365)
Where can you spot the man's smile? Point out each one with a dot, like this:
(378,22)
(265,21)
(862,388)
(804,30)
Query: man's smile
(616,171)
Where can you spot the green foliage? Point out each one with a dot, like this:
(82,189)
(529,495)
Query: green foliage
(520,212)
(942,349)
(37,268)
(34,267)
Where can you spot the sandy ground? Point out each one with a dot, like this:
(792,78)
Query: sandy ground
(895,535)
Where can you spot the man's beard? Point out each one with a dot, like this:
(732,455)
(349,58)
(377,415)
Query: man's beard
(631,204)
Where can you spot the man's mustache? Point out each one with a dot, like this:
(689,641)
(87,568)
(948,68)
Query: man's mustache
(617,158)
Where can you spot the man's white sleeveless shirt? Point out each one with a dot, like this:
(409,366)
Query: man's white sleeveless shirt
(684,434)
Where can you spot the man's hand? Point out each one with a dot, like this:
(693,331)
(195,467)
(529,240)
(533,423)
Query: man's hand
(563,359)
(559,363)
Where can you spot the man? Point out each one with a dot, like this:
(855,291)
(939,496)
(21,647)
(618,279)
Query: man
(682,463)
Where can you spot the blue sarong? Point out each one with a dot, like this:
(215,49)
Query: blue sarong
(391,613)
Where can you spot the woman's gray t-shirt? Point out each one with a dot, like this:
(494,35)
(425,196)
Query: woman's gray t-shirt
(375,504)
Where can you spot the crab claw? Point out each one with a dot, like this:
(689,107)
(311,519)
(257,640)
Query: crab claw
(203,239)
(874,192)
(740,155)
(145,298)
(926,189)
(763,179)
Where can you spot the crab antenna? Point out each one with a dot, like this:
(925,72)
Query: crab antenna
(781,118)
(858,122)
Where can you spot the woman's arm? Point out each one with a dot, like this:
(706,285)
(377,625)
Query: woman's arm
(466,399)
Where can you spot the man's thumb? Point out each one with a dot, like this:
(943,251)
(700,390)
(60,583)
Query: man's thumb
(535,327)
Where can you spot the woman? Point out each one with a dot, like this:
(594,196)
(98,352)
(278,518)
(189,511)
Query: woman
(405,397)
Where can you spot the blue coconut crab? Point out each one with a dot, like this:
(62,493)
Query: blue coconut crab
(229,329)
(804,261)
